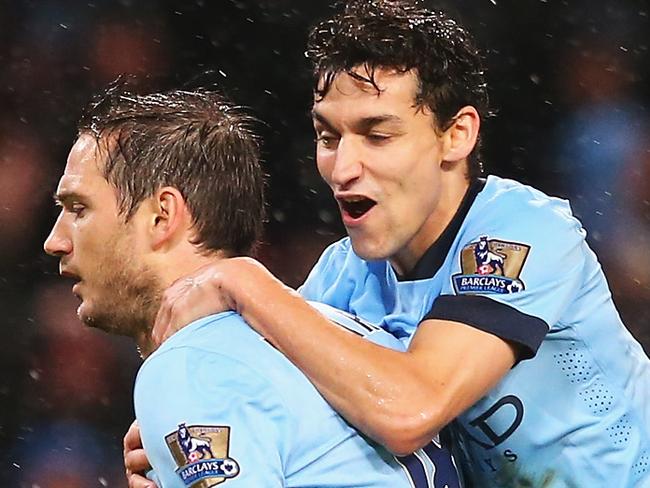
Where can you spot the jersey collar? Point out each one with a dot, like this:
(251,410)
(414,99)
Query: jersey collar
(433,257)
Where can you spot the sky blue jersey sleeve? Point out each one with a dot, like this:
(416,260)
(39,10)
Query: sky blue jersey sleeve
(519,266)
(232,431)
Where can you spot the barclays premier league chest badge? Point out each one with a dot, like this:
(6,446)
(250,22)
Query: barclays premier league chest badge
(491,266)
(201,454)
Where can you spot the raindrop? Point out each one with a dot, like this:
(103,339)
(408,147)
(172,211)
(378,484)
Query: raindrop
(326,217)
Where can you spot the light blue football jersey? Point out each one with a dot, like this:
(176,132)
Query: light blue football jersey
(218,405)
(514,262)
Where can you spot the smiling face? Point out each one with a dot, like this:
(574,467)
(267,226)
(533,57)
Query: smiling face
(99,250)
(387,165)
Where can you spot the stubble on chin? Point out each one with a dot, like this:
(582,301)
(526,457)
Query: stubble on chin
(129,301)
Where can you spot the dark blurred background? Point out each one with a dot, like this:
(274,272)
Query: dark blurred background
(569,85)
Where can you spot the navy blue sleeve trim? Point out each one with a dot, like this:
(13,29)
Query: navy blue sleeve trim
(499,319)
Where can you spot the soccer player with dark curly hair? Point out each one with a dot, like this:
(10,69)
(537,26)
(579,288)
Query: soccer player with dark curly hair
(514,344)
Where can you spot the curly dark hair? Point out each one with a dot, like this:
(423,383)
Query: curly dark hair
(198,142)
(402,35)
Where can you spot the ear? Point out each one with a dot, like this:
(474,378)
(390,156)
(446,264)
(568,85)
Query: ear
(460,138)
(169,218)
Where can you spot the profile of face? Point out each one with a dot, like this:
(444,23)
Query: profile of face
(99,250)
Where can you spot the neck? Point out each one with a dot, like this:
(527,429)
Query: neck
(172,269)
(184,265)
(454,191)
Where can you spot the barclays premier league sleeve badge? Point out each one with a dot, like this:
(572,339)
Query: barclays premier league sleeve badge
(491,266)
(201,454)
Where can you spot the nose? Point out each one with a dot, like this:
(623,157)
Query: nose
(348,163)
(58,243)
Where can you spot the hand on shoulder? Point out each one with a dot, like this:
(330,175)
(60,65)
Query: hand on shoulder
(211,289)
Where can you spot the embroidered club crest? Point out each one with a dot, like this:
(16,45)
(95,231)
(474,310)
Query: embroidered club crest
(491,266)
(201,454)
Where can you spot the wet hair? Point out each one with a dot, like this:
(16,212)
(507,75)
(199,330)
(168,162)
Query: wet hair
(197,142)
(401,35)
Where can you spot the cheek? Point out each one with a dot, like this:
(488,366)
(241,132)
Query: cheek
(425,181)
(419,185)
(425,163)
(411,158)
(86,241)
(325,164)
(92,244)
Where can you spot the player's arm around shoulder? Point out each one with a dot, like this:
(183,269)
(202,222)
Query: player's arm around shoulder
(401,399)
(460,364)
(205,416)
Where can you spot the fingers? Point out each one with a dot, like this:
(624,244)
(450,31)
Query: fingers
(186,300)
(135,459)
(138,481)
(132,439)
(174,300)
(162,320)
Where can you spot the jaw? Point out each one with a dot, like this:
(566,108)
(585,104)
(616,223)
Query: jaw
(395,240)
(371,243)
(124,303)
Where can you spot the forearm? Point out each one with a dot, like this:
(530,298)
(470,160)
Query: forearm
(382,392)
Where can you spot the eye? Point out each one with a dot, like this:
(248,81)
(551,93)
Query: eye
(327,140)
(378,138)
(78,209)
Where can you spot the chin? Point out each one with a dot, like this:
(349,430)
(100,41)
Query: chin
(369,251)
(90,319)
(82,314)
(85,317)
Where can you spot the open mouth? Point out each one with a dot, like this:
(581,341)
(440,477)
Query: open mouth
(66,273)
(356,207)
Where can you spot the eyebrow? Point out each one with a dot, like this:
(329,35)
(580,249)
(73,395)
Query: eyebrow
(362,125)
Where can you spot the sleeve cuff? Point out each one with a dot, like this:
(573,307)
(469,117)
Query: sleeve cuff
(499,319)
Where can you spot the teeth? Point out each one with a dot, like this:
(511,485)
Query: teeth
(354,199)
